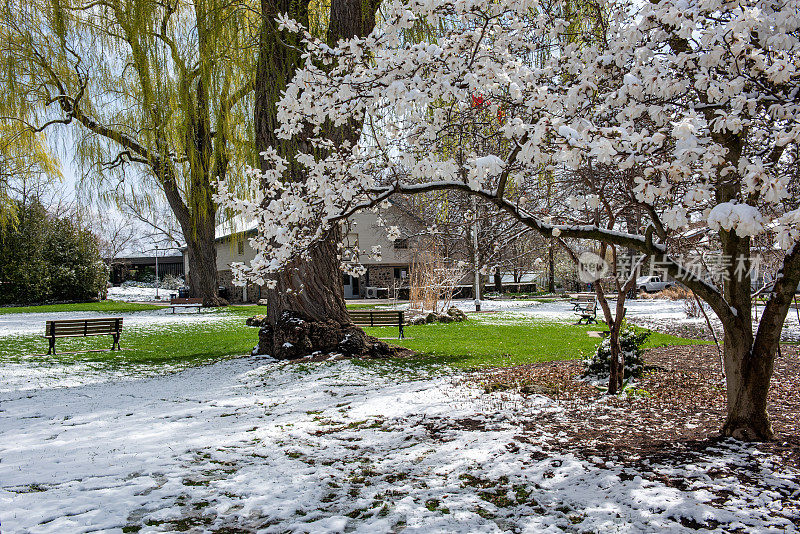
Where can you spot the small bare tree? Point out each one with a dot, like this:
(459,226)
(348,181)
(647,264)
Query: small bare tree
(433,280)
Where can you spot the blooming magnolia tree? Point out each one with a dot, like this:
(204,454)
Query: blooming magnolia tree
(698,97)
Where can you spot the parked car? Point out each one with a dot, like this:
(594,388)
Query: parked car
(652,284)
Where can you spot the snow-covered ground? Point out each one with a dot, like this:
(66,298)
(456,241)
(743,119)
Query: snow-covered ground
(30,372)
(33,323)
(337,446)
(138,294)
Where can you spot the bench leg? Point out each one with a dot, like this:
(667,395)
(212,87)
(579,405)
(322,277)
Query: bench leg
(401,332)
(115,342)
(52,349)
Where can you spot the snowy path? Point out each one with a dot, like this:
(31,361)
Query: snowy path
(248,444)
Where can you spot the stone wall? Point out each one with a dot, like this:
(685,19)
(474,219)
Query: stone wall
(380,275)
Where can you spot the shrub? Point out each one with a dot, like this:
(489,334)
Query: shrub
(631,341)
(170,281)
(44,258)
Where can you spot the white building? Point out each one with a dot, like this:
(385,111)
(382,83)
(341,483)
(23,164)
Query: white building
(362,233)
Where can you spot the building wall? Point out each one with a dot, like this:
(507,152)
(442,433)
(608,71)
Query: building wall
(370,234)
(233,249)
(363,229)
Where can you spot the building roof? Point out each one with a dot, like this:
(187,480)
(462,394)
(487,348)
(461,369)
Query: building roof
(237,225)
(135,259)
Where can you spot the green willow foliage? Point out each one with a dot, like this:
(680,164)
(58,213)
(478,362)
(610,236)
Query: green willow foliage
(23,155)
(49,259)
(154,97)
(161,83)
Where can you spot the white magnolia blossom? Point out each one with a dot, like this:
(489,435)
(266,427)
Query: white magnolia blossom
(743,219)
(686,93)
(393,234)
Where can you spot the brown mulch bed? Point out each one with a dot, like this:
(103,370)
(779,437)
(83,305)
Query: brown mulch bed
(678,406)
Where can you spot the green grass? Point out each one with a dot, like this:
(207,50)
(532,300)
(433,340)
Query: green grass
(362,306)
(246,311)
(477,344)
(492,340)
(105,306)
(175,346)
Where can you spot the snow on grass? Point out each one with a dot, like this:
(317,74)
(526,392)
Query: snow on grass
(33,323)
(650,313)
(654,313)
(129,293)
(23,365)
(250,444)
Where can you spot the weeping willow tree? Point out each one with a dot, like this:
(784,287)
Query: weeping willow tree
(24,155)
(155,97)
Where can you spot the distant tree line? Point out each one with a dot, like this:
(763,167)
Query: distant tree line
(47,258)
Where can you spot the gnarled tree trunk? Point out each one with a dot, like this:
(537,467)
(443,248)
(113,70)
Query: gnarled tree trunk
(306,311)
(313,288)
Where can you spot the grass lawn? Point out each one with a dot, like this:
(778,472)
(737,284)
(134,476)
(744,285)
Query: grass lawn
(105,306)
(480,341)
(171,345)
(475,343)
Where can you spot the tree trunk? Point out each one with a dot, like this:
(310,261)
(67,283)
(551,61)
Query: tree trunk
(617,364)
(202,277)
(748,374)
(498,280)
(749,361)
(616,367)
(313,288)
(306,310)
(551,268)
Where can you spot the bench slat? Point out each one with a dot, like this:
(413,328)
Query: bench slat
(378,318)
(89,322)
(90,330)
(81,335)
(81,329)
(104,326)
(376,312)
(182,301)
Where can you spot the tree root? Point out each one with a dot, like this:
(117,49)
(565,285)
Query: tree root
(297,336)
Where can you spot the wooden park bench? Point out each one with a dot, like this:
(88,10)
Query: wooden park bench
(107,326)
(587,312)
(580,300)
(379,318)
(186,303)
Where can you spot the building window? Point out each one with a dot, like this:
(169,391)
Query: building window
(401,243)
(240,246)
